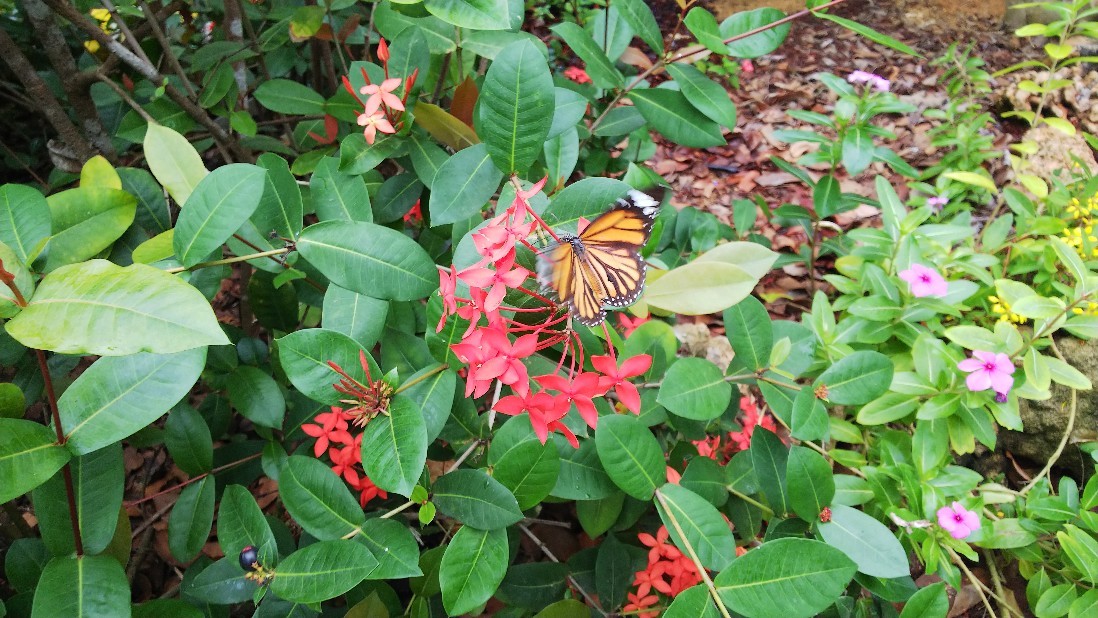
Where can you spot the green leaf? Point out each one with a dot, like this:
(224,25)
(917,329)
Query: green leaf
(928,602)
(770,460)
(322,571)
(478,14)
(1056,601)
(516,107)
(597,516)
(257,396)
(700,288)
(219,206)
(289,97)
(857,378)
(369,259)
(188,439)
(24,221)
(396,197)
(97,482)
(13,403)
(695,388)
(703,26)
(241,523)
(118,396)
(85,221)
(1085,605)
(280,208)
(358,316)
(221,583)
(809,420)
(522,464)
(582,476)
(807,576)
(640,18)
(748,328)
(191,519)
(463,185)
(857,149)
(630,455)
(390,23)
(870,34)
(1063,373)
(394,447)
(707,96)
(82,586)
(394,546)
(475,499)
(358,157)
(317,499)
(426,157)
(473,566)
(1082,550)
(974,338)
(614,571)
(338,196)
(671,114)
(533,585)
(586,198)
(29,455)
(866,541)
(753,258)
(305,354)
(173,161)
(811,484)
(890,407)
(694,602)
(703,527)
(757,44)
(602,71)
(826,196)
(569,108)
(561,155)
(972,178)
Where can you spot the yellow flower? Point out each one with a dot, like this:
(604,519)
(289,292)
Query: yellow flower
(1090,308)
(1001,308)
(100,15)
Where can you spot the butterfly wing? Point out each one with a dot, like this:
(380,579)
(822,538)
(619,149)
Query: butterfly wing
(603,265)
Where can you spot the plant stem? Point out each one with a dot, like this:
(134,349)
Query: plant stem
(1063,440)
(549,554)
(230,260)
(693,556)
(231,464)
(414,381)
(66,471)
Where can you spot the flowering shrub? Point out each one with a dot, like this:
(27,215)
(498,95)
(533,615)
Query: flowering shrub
(396,415)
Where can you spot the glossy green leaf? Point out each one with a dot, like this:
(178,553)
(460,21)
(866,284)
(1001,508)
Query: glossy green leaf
(700,288)
(257,396)
(600,68)
(338,196)
(188,439)
(630,455)
(358,316)
(191,519)
(569,108)
(13,403)
(671,114)
(396,197)
(703,528)
(809,417)
(240,523)
(1082,550)
(770,459)
(758,44)
(856,379)
(748,328)
(533,585)
(29,457)
(695,388)
(222,583)
(806,575)
(219,205)
(522,464)
(581,476)
(427,157)
(369,259)
(463,185)
(289,97)
(866,541)
(857,150)
(305,354)
(694,602)
(811,485)
(322,571)
(597,516)
(703,26)
(280,208)
(478,14)
(88,586)
(10,304)
(393,546)
(85,221)
(118,396)
(706,95)
(614,571)
(394,447)
(98,480)
(472,568)
(561,155)
(173,161)
(516,107)
(640,18)
(586,198)
(24,220)
(475,499)
(318,499)
(929,602)
(358,157)
(24,562)
(433,396)
(1056,601)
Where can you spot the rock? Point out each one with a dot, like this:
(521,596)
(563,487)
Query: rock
(1054,157)
(1045,421)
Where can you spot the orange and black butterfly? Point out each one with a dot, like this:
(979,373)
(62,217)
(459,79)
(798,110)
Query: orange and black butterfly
(602,265)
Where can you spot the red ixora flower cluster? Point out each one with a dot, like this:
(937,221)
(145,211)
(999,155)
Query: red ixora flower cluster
(669,571)
(332,428)
(382,111)
(722,450)
(501,336)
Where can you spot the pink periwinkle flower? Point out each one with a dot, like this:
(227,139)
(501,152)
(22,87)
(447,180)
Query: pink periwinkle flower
(958,521)
(988,370)
(864,77)
(937,202)
(924,281)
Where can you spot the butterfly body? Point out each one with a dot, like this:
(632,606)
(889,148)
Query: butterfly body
(602,265)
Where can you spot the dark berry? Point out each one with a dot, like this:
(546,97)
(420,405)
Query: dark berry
(249,556)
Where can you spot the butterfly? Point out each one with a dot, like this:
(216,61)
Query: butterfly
(601,265)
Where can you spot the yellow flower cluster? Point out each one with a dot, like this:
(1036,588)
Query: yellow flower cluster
(1090,308)
(1081,236)
(103,16)
(1001,308)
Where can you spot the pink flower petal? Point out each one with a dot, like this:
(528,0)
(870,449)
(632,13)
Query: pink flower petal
(978,381)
